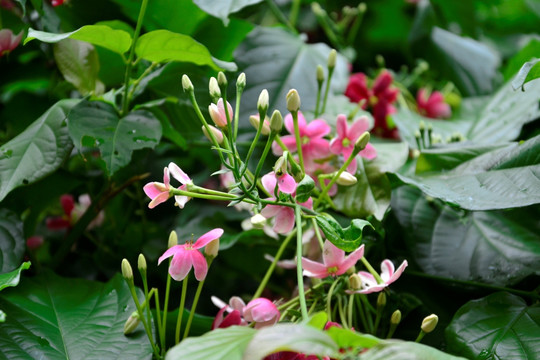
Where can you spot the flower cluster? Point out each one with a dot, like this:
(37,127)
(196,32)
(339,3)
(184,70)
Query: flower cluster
(261,311)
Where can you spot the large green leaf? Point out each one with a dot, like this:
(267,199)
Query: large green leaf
(499,179)
(96,124)
(50,317)
(497,247)
(405,350)
(219,344)
(223,8)
(347,239)
(79,63)
(499,326)
(37,151)
(371,194)
(527,53)
(276,60)
(165,46)
(12,242)
(118,41)
(528,72)
(12,278)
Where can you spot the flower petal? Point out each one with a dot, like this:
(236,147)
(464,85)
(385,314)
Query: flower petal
(181,265)
(317,129)
(314,269)
(350,260)
(166,177)
(332,255)
(181,200)
(170,252)
(178,174)
(199,264)
(369,152)
(316,148)
(284,221)
(341,126)
(387,270)
(270,211)
(398,272)
(207,238)
(336,145)
(360,126)
(269,182)
(161,198)
(286,184)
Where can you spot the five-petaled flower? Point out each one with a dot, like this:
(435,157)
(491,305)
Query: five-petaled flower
(160,192)
(347,136)
(432,105)
(388,275)
(188,255)
(334,262)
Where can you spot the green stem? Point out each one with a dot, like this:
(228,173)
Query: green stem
(364,299)
(143,320)
(295,10)
(142,11)
(195,302)
(341,313)
(329,299)
(372,270)
(166,308)
(296,298)
(227,197)
(319,90)
(161,333)
(262,116)
(299,274)
(355,27)
(136,82)
(272,266)
(334,179)
(279,15)
(361,312)
(350,308)
(327,90)
(317,233)
(420,336)
(181,310)
(266,150)
(298,140)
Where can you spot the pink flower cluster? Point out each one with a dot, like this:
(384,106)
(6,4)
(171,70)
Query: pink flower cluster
(432,105)
(260,311)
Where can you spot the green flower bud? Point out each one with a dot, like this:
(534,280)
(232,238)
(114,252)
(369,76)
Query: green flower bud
(346,179)
(211,250)
(422,126)
(131,323)
(186,83)
(293,100)
(381,300)
(355,282)
(141,263)
(280,167)
(320,74)
(429,323)
(173,239)
(262,103)
(332,57)
(241,82)
(222,79)
(213,86)
(361,142)
(362,7)
(255,122)
(276,122)
(127,271)
(396,317)
(258,221)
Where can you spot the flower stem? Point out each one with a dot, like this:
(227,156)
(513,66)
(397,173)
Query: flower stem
(143,320)
(195,302)
(266,150)
(317,233)
(334,179)
(161,332)
(298,140)
(279,15)
(326,91)
(166,308)
(299,274)
(372,270)
(329,299)
(181,310)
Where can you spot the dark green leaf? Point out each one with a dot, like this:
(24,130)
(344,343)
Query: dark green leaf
(219,344)
(78,62)
(165,46)
(499,326)
(94,123)
(346,338)
(12,243)
(37,151)
(276,60)
(497,247)
(499,179)
(304,189)
(12,278)
(529,71)
(118,41)
(69,319)
(527,53)
(347,239)
(222,9)
(405,350)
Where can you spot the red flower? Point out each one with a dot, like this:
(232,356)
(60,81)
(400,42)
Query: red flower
(9,41)
(432,106)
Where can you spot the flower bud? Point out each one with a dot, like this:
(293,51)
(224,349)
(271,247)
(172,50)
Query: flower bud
(417,134)
(214,88)
(127,272)
(173,239)
(258,221)
(255,122)
(131,323)
(422,126)
(293,100)
(262,103)
(396,317)
(355,282)
(362,142)
(429,323)
(280,167)
(276,122)
(186,83)
(346,179)
(141,263)
(241,82)
(217,134)
(381,300)
(320,74)
(362,7)
(217,113)
(332,59)
(211,250)
(222,79)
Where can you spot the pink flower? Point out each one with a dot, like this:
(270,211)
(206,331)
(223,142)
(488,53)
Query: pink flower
(217,113)
(346,138)
(187,255)
(261,311)
(285,183)
(160,192)
(34,242)
(378,99)
(57,2)
(311,136)
(334,262)
(284,215)
(432,106)
(9,41)
(73,212)
(235,310)
(369,283)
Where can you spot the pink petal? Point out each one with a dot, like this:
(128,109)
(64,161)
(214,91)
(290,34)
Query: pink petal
(440,110)
(67,203)
(207,238)
(161,198)
(178,174)
(199,264)
(387,270)
(421,98)
(290,142)
(286,184)
(269,182)
(316,148)
(341,126)
(284,221)
(336,145)
(314,269)
(270,211)
(308,204)
(153,189)
(220,303)
(369,152)
(317,129)
(170,252)
(166,178)
(332,255)
(289,123)
(350,260)
(360,126)
(237,303)
(181,200)
(181,265)
(218,319)
(398,272)
(260,310)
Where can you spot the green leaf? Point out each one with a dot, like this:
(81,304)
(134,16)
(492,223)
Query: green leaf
(405,350)
(346,338)
(52,317)
(118,41)
(94,123)
(529,71)
(289,337)
(318,321)
(371,194)
(165,46)
(499,179)
(304,189)
(496,247)
(78,62)
(12,243)
(37,151)
(219,344)
(347,239)
(222,9)
(12,278)
(276,60)
(527,53)
(499,326)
